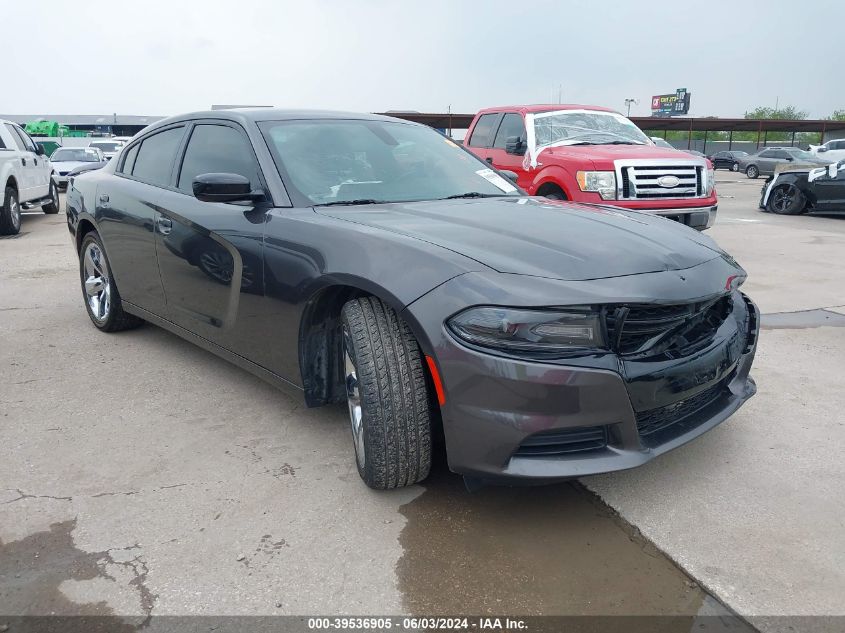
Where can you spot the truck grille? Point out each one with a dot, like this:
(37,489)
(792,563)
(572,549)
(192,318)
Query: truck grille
(660,181)
(675,330)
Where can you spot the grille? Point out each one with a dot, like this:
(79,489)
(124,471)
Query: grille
(655,420)
(670,329)
(643,182)
(563,441)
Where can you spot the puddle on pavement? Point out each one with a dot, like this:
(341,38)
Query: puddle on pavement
(31,571)
(802,320)
(549,550)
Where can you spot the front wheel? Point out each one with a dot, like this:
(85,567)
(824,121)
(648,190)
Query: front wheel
(786,200)
(752,171)
(387,395)
(10,213)
(52,207)
(735,167)
(102,300)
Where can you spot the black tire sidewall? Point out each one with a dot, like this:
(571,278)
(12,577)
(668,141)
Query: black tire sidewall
(51,208)
(7,225)
(795,208)
(751,169)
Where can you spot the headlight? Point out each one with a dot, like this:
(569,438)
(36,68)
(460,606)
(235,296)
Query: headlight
(529,330)
(603,182)
(711,181)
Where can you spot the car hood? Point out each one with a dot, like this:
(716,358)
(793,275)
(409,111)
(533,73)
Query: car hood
(68,165)
(535,236)
(600,155)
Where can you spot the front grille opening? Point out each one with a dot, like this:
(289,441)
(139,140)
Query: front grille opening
(559,442)
(648,182)
(666,329)
(651,423)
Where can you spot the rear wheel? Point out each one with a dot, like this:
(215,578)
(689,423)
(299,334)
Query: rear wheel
(102,300)
(735,167)
(752,172)
(53,206)
(387,396)
(10,213)
(786,200)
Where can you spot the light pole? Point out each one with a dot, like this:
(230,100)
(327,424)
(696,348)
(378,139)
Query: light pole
(628,103)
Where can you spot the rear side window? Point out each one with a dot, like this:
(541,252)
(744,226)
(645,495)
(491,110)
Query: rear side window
(511,125)
(482,133)
(154,162)
(769,153)
(15,138)
(217,149)
(129,160)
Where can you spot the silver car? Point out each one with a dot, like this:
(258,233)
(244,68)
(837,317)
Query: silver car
(766,161)
(66,159)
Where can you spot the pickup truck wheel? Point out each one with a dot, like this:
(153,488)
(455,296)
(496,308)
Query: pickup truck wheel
(10,213)
(102,300)
(752,171)
(386,395)
(52,206)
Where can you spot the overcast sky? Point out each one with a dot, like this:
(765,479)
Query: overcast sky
(155,57)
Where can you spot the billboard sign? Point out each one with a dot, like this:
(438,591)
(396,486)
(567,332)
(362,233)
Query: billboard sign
(671,104)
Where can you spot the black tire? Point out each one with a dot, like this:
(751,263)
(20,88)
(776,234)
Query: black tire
(10,213)
(114,319)
(553,193)
(786,200)
(752,171)
(735,167)
(391,387)
(53,206)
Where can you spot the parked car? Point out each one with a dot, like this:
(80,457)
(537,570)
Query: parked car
(26,176)
(728,159)
(794,191)
(552,339)
(67,159)
(766,160)
(832,150)
(109,147)
(595,155)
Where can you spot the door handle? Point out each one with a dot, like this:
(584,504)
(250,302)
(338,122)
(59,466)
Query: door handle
(489,160)
(23,161)
(165,225)
(36,160)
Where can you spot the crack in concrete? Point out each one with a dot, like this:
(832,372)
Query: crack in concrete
(23,495)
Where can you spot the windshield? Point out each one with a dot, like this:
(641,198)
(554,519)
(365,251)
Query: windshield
(333,161)
(107,147)
(81,155)
(588,127)
(801,154)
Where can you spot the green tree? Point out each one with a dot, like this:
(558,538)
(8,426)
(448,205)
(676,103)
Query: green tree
(838,115)
(787,113)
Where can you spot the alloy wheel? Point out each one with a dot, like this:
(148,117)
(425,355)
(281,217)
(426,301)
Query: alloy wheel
(353,399)
(782,199)
(97,283)
(15,211)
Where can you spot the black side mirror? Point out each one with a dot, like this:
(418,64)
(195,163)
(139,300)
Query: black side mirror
(510,175)
(514,145)
(790,159)
(223,188)
(39,149)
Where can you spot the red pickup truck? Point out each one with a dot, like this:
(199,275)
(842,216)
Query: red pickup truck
(593,154)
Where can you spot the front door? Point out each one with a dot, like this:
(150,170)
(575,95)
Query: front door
(830,192)
(27,170)
(209,253)
(512,125)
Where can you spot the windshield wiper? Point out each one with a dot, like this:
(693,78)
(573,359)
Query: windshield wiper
(351,202)
(472,194)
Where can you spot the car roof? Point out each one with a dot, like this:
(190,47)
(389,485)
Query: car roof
(545,107)
(255,115)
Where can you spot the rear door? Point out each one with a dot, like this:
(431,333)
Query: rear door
(480,137)
(209,254)
(511,125)
(830,192)
(769,159)
(126,214)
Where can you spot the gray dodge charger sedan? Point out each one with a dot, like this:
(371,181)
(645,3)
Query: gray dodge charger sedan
(369,261)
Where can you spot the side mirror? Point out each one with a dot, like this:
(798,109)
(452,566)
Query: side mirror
(39,149)
(822,149)
(514,145)
(790,159)
(510,175)
(223,188)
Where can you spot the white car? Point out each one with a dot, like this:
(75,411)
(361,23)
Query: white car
(833,150)
(26,178)
(109,147)
(66,159)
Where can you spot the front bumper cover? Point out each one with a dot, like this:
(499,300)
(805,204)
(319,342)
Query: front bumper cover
(493,403)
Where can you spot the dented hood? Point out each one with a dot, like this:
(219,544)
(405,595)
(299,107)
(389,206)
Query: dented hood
(534,236)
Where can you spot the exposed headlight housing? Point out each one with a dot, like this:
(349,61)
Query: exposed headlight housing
(601,182)
(515,329)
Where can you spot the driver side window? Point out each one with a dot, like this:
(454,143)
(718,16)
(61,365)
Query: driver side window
(217,149)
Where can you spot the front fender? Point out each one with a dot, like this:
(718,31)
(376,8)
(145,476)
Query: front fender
(553,174)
